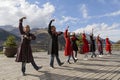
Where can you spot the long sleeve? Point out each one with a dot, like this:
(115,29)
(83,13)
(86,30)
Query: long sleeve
(65,34)
(33,37)
(59,33)
(109,42)
(49,28)
(21,27)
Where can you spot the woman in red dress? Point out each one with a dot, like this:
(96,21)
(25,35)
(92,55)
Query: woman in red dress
(85,47)
(108,46)
(68,46)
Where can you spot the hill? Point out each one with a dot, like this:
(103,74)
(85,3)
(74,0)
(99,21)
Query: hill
(15,31)
(43,38)
(4,34)
(7,27)
(118,42)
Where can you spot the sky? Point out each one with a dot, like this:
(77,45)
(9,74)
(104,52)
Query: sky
(80,15)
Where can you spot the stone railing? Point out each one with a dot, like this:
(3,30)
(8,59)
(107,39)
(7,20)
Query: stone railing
(38,48)
(116,47)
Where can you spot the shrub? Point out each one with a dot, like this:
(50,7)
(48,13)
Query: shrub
(10,42)
(80,42)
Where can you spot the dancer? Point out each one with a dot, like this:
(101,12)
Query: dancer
(53,46)
(74,44)
(99,46)
(92,45)
(85,47)
(24,53)
(108,46)
(68,46)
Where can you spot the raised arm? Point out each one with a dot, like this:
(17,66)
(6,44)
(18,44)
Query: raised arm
(92,30)
(49,26)
(66,31)
(21,26)
(65,34)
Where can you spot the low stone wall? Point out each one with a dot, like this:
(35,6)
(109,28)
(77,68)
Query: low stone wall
(116,47)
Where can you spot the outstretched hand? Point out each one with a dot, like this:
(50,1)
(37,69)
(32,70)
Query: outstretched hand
(22,18)
(83,31)
(67,27)
(53,20)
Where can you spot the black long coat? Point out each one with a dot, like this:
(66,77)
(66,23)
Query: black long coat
(53,43)
(92,44)
(24,53)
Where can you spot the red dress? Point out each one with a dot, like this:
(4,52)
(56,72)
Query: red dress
(85,47)
(68,47)
(108,45)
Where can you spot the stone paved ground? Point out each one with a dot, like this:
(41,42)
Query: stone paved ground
(105,68)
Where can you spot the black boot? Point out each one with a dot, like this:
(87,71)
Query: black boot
(24,74)
(61,64)
(39,68)
(23,68)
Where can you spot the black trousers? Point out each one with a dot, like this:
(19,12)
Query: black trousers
(70,57)
(24,66)
(52,59)
(101,52)
(93,54)
(76,54)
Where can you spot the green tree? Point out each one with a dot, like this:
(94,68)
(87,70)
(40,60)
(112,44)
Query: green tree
(10,42)
(80,42)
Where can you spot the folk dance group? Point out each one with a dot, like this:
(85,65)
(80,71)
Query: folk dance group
(24,53)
